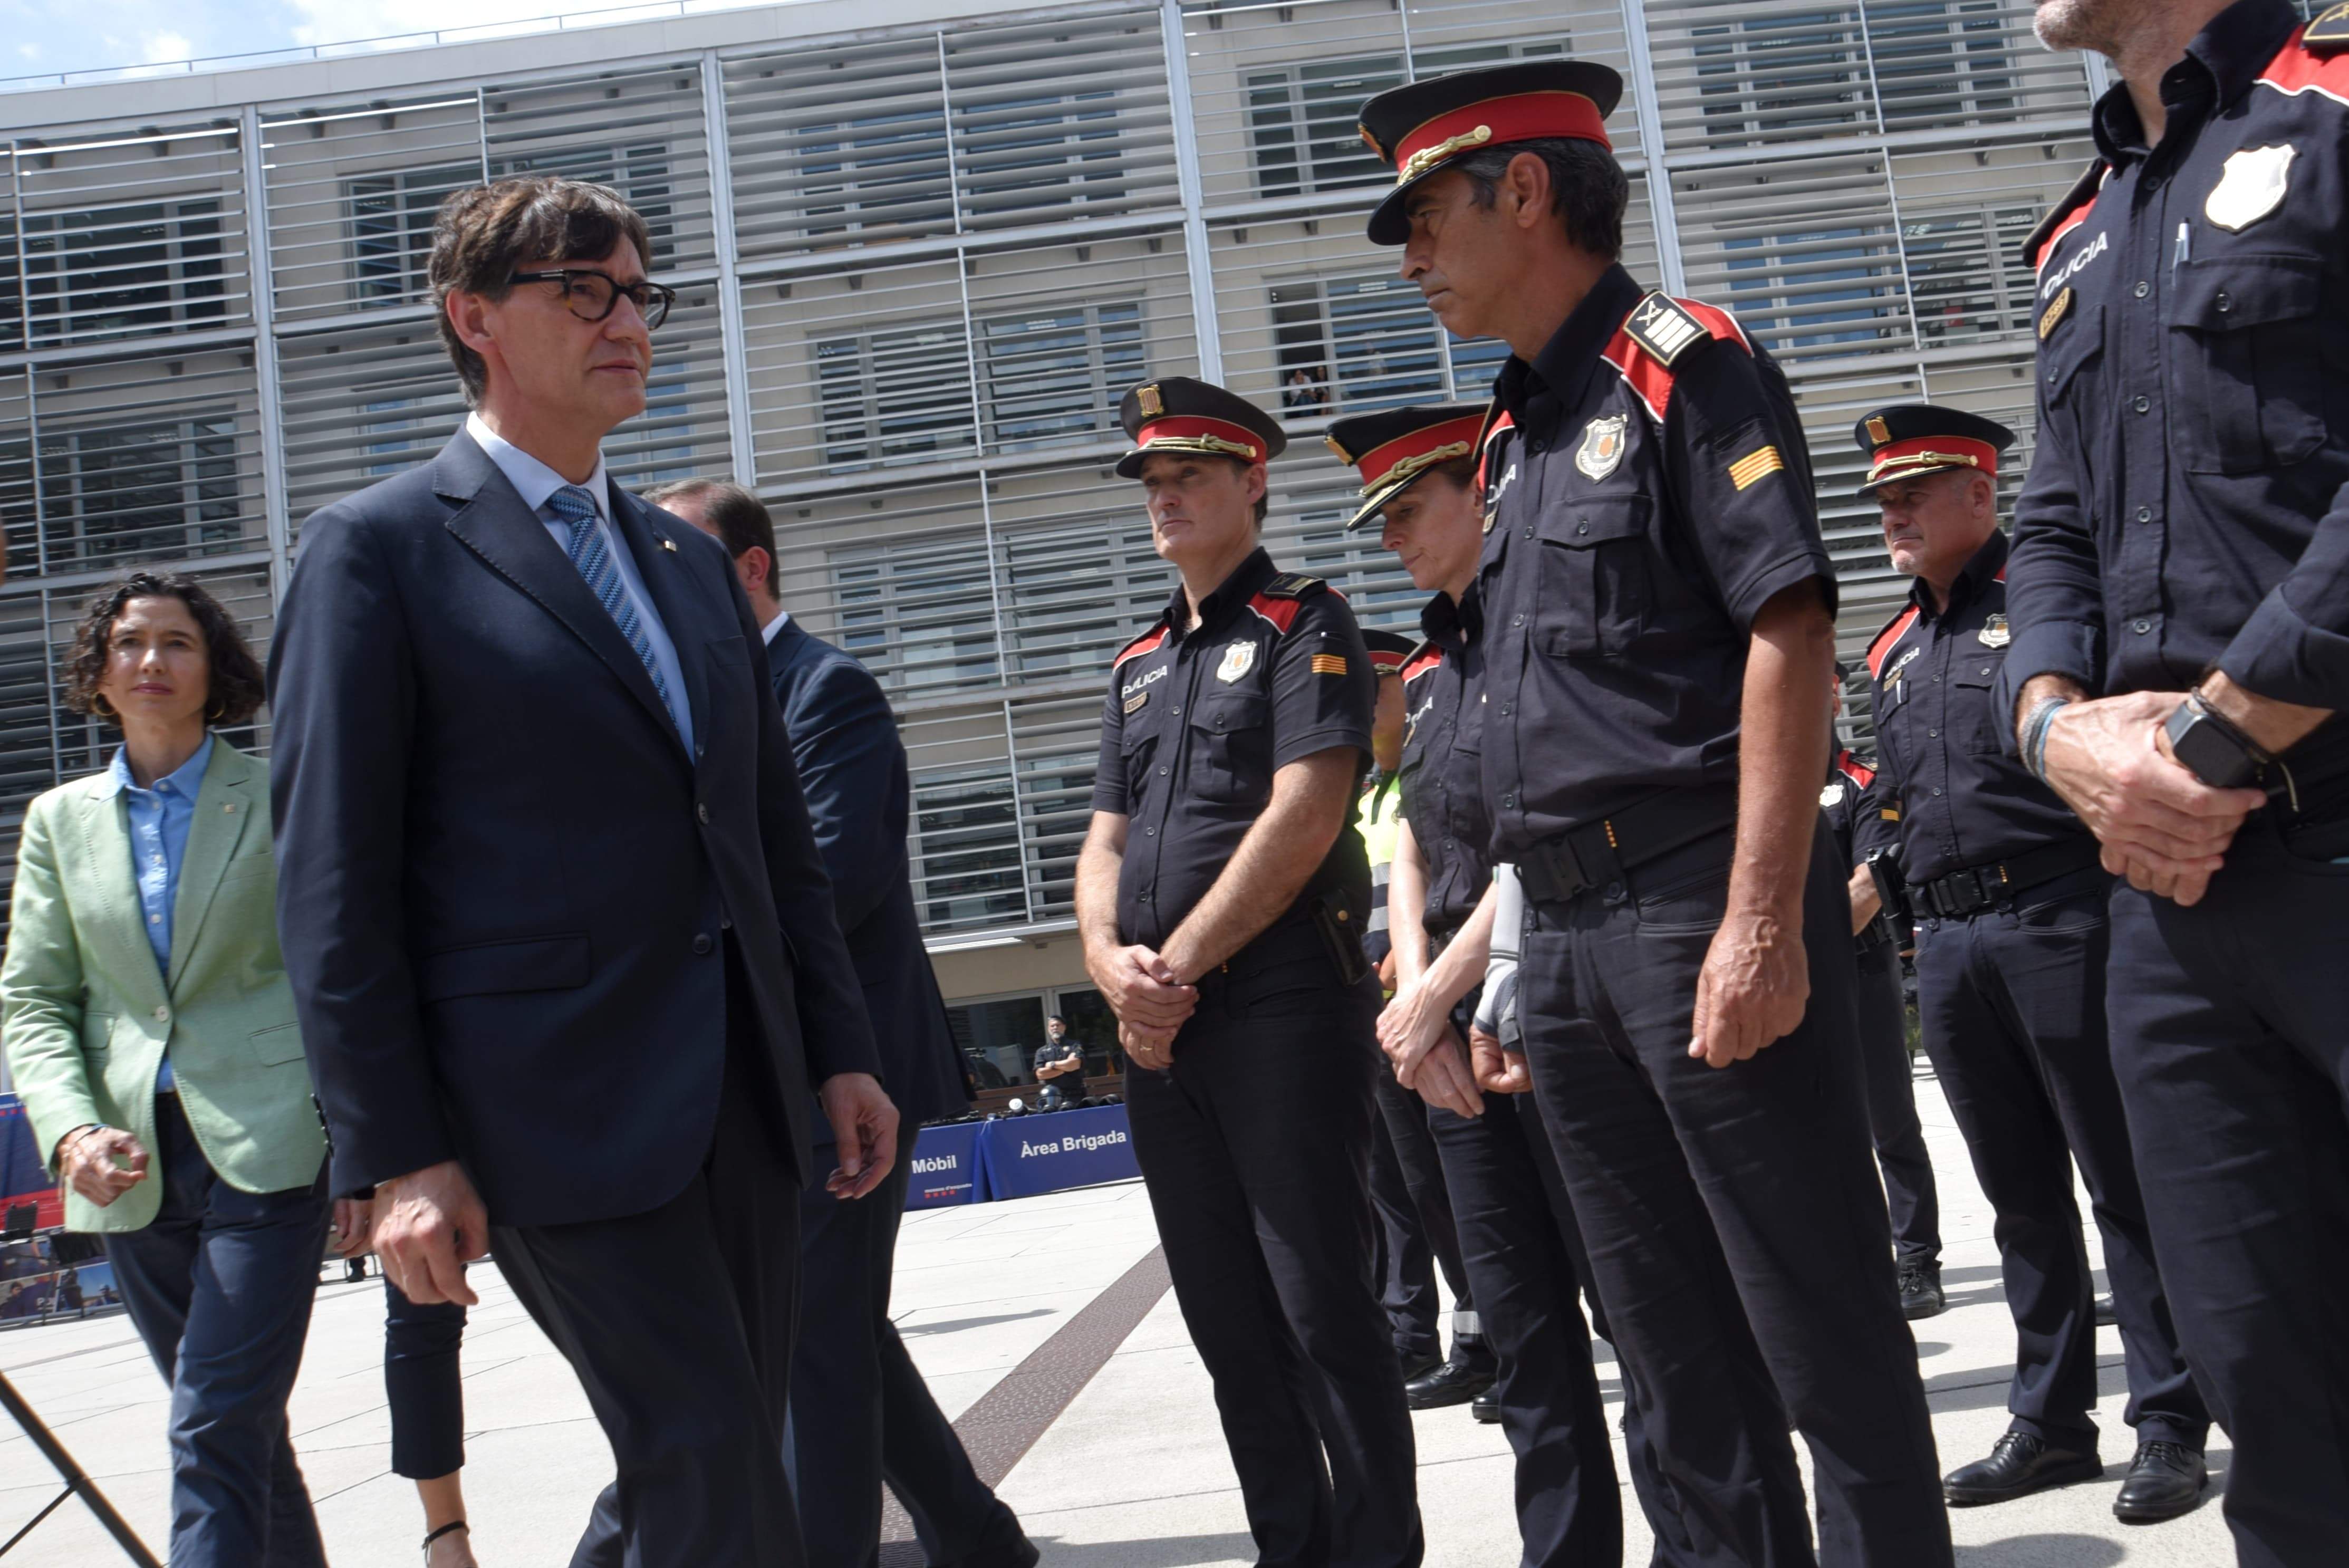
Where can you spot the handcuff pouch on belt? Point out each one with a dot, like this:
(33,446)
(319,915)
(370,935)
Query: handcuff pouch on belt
(1597,854)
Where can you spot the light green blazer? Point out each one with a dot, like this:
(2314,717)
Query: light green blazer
(85,1014)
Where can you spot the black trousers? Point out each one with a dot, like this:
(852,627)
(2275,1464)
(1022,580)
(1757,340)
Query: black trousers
(860,1410)
(1418,1233)
(678,1322)
(1900,1156)
(2231,1035)
(218,1286)
(1254,1148)
(2012,1004)
(1735,1226)
(1569,1508)
(424,1384)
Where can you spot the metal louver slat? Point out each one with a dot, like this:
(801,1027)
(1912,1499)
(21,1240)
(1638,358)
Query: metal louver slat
(130,231)
(1963,218)
(637,130)
(352,193)
(964,854)
(1804,252)
(1059,120)
(1058,743)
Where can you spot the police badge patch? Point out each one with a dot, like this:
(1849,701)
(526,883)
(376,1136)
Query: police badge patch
(1994,633)
(1602,445)
(1831,795)
(2250,186)
(1239,658)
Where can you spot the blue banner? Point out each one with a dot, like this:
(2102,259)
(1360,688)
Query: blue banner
(1023,1155)
(946,1168)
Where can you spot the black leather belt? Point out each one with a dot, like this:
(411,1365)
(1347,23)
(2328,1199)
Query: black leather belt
(1974,889)
(1598,853)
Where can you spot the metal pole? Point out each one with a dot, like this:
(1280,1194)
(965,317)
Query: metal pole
(1651,142)
(733,342)
(261,287)
(1204,324)
(77,1483)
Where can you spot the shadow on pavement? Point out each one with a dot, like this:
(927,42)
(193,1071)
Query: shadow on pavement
(2043,1551)
(949,1325)
(1173,1551)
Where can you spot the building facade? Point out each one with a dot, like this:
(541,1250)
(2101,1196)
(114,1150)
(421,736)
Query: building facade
(923,248)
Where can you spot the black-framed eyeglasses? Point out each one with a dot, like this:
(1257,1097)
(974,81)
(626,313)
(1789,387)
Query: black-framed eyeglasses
(592,295)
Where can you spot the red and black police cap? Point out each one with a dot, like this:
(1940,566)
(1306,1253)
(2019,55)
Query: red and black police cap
(1909,439)
(1420,127)
(1394,447)
(1387,649)
(1178,414)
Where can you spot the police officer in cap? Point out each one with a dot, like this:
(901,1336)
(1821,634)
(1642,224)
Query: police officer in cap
(1419,473)
(1863,818)
(1221,894)
(2179,594)
(2009,900)
(1656,626)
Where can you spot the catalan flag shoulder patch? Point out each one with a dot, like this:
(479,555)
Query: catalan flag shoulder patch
(1755,465)
(1329,664)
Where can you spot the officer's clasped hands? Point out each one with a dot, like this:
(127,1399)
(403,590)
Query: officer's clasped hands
(2160,827)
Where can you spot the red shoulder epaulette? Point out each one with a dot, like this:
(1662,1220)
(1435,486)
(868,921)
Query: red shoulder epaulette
(2315,60)
(1854,769)
(1423,658)
(1497,419)
(1658,334)
(1281,612)
(2063,216)
(1148,641)
(1886,638)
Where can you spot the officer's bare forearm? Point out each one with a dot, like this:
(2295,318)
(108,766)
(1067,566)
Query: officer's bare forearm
(1407,906)
(1864,900)
(1455,973)
(1274,862)
(1098,864)
(2274,727)
(2039,688)
(1782,750)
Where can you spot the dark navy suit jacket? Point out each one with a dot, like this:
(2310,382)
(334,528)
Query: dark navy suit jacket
(506,891)
(852,765)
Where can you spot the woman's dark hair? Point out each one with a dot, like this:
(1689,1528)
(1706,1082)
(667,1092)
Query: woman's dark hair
(1588,188)
(237,690)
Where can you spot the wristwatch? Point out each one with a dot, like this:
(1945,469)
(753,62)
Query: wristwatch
(2210,748)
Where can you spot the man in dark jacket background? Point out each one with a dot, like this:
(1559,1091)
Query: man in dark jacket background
(869,1412)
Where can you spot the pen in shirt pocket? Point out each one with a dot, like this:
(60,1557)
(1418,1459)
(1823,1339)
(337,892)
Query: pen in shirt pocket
(2181,252)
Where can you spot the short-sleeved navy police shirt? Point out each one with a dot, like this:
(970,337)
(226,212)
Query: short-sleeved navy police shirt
(1444,738)
(1642,507)
(2188,501)
(1198,721)
(1859,809)
(1942,729)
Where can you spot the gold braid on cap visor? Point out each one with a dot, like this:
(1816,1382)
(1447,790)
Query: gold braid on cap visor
(1921,459)
(1411,468)
(1427,158)
(1215,445)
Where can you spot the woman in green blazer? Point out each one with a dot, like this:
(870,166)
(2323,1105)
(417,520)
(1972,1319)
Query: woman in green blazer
(150,1032)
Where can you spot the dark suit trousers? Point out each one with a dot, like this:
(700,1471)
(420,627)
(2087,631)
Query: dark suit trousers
(2012,1004)
(423,1383)
(867,1413)
(220,1287)
(679,1324)
(1900,1155)
(1735,1228)
(1254,1148)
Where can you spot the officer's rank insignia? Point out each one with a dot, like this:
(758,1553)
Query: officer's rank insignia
(1239,658)
(1152,405)
(1755,465)
(2249,187)
(1664,329)
(1829,795)
(1602,445)
(2055,312)
(1879,432)
(1994,633)
(1136,700)
(1326,663)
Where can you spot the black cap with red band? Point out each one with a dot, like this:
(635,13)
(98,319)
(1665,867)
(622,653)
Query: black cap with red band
(1389,649)
(1394,447)
(1421,127)
(1911,439)
(1180,416)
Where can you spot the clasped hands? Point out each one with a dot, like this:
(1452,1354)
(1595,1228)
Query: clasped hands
(1150,1000)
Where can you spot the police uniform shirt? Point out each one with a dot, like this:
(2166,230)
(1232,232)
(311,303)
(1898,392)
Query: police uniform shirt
(1651,496)
(1859,809)
(2189,503)
(1442,767)
(1941,729)
(1196,723)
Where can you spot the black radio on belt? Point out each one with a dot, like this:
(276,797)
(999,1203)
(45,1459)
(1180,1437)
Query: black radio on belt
(1893,922)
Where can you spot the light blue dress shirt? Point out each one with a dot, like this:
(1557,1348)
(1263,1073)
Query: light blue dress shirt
(535,481)
(160,819)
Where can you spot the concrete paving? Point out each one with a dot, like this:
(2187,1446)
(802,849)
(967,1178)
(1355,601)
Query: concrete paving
(1133,1474)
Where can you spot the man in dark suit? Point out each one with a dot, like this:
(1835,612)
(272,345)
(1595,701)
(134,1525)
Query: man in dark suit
(560,936)
(856,1396)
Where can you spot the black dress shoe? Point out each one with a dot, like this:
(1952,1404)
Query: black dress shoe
(2165,1481)
(1485,1408)
(1920,1291)
(2105,1316)
(1415,1368)
(2019,1465)
(1453,1383)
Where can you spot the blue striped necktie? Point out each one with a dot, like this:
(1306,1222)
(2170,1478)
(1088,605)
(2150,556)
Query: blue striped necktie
(592,556)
